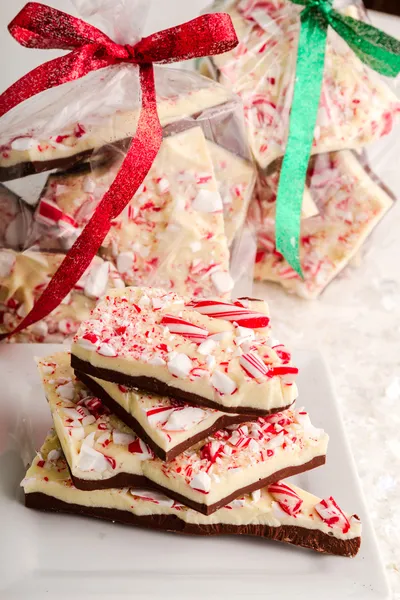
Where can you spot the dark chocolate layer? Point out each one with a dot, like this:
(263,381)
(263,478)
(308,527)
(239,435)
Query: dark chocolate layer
(154,386)
(130,420)
(23,169)
(120,480)
(297,536)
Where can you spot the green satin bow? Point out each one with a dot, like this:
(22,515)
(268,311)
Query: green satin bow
(375,48)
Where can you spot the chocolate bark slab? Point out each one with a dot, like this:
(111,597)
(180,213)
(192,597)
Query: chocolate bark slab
(297,536)
(133,423)
(214,352)
(154,386)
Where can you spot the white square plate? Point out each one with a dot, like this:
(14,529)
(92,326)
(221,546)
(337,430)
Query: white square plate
(66,557)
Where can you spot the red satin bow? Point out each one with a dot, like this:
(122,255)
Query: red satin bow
(40,26)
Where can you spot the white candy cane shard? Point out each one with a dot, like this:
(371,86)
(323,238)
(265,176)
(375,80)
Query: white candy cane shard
(223,383)
(179,365)
(201,482)
(253,365)
(231,312)
(332,515)
(288,500)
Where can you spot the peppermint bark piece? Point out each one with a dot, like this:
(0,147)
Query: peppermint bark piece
(207,352)
(282,512)
(70,197)
(240,459)
(350,204)
(356,106)
(33,149)
(101,452)
(167,425)
(24,276)
(172,232)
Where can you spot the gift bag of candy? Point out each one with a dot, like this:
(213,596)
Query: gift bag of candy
(127,173)
(315,79)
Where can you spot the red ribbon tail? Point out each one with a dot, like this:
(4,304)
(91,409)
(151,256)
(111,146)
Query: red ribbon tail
(138,161)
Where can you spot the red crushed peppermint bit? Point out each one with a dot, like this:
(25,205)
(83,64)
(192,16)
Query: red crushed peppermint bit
(211,451)
(288,500)
(332,515)
(233,312)
(185,328)
(120,330)
(139,447)
(61,138)
(283,354)
(79,130)
(50,213)
(41,463)
(122,388)
(253,365)
(286,373)
(95,406)
(102,426)
(111,460)
(91,337)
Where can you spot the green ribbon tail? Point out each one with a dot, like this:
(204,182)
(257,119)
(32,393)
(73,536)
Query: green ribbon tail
(306,96)
(376,49)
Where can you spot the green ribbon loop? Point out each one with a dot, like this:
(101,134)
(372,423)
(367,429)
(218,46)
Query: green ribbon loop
(376,49)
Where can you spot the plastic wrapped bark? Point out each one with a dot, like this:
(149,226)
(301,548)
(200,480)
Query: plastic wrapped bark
(342,204)
(356,106)
(178,230)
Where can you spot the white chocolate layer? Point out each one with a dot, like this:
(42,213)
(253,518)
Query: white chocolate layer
(130,332)
(49,475)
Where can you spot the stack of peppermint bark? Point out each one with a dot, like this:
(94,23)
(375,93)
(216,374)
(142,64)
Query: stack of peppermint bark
(178,414)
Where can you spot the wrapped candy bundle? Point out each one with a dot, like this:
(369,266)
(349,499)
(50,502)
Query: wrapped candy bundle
(174,230)
(341,205)
(343,202)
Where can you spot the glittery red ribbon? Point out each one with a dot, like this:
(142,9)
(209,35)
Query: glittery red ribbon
(40,26)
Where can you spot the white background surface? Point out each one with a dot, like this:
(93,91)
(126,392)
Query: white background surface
(356,323)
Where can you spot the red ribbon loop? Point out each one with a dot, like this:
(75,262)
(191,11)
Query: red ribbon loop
(40,26)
